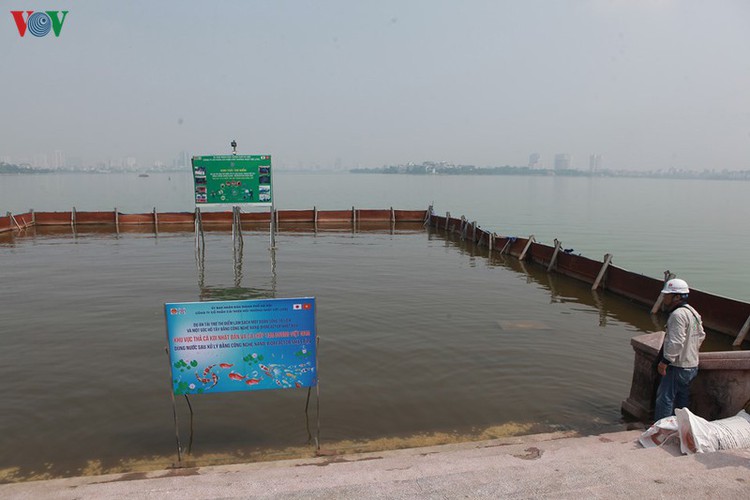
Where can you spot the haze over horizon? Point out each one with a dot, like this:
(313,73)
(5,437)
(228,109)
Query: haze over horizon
(646,84)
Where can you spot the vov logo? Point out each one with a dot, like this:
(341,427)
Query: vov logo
(39,23)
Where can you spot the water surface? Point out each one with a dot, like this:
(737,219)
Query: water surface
(420,335)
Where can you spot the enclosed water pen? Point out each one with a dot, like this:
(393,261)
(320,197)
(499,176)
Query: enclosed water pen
(426,337)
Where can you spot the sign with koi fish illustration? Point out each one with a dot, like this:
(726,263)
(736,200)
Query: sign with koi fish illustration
(241,345)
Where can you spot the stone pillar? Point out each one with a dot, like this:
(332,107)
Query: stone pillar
(640,403)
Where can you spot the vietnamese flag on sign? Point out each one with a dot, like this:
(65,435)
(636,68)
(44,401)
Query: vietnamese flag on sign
(306,306)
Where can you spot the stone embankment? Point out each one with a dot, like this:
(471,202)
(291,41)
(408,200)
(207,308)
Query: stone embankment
(542,466)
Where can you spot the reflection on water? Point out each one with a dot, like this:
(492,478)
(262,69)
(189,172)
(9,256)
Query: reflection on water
(423,338)
(235,293)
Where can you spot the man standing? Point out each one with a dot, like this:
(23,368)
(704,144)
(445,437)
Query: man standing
(678,365)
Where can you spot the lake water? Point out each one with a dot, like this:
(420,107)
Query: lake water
(696,229)
(424,338)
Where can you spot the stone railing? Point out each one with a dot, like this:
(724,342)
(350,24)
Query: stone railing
(721,389)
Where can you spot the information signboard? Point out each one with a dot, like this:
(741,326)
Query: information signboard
(232,180)
(241,345)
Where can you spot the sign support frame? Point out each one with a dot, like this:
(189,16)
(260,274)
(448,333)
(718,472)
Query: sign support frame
(178,442)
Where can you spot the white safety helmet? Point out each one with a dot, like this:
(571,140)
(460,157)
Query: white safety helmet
(676,286)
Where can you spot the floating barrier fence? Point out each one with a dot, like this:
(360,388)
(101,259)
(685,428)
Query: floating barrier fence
(721,314)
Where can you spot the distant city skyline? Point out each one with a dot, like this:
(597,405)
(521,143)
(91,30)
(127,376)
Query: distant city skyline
(57,160)
(646,84)
(429,168)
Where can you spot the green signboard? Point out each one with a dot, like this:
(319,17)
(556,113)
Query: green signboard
(232,180)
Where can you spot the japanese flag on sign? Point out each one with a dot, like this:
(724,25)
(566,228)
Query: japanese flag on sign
(297,307)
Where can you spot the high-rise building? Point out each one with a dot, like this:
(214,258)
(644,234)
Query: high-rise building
(183,160)
(59,161)
(535,160)
(595,162)
(562,161)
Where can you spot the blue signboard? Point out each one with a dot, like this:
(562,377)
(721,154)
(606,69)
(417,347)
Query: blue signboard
(241,345)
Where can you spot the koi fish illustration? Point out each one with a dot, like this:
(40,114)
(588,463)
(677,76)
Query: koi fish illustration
(225,365)
(252,381)
(236,376)
(205,379)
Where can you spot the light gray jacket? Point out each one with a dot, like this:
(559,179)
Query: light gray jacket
(684,337)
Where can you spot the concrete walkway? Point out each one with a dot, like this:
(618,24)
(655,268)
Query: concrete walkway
(541,466)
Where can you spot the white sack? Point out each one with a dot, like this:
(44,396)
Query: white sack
(659,433)
(698,435)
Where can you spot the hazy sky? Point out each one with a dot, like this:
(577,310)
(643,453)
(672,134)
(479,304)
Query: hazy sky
(647,84)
